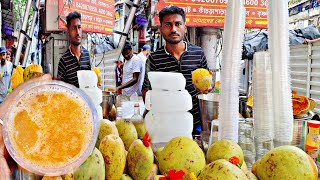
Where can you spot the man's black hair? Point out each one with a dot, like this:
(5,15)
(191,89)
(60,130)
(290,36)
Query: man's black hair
(71,16)
(172,10)
(127,46)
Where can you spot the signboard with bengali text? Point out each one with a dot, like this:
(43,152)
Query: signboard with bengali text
(96,15)
(210,13)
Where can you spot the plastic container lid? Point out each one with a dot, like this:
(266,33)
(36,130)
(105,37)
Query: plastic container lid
(39,88)
(313,124)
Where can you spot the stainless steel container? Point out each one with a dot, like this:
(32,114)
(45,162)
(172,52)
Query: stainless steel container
(108,99)
(209,109)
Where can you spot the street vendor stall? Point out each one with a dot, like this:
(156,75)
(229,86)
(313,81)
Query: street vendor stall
(57,131)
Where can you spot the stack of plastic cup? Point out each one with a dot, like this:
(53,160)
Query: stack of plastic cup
(230,74)
(262,103)
(246,141)
(278,26)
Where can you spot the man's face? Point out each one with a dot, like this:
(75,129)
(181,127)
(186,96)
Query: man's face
(3,57)
(75,32)
(127,54)
(173,28)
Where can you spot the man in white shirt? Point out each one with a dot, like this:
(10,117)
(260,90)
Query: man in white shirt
(143,55)
(132,69)
(5,74)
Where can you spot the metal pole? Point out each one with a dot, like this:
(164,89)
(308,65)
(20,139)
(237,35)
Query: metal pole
(22,36)
(34,19)
(128,23)
(309,70)
(209,38)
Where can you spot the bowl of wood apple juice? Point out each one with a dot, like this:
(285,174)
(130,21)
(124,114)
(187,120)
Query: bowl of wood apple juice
(50,128)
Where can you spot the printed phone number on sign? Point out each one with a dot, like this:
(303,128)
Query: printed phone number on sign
(262,3)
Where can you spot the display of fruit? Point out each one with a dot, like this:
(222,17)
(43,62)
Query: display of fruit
(222,169)
(127,132)
(225,149)
(182,159)
(181,153)
(32,71)
(113,152)
(17,77)
(202,79)
(285,162)
(106,127)
(92,168)
(140,159)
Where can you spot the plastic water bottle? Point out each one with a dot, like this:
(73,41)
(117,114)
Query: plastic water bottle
(138,121)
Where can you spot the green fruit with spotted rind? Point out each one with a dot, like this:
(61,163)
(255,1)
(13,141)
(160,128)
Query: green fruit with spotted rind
(250,175)
(222,170)
(181,153)
(285,162)
(140,160)
(125,177)
(106,127)
(141,129)
(224,149)
(157,154)
(153,173)
(127,132)
(113,152)
(92,168)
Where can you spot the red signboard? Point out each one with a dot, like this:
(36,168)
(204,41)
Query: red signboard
(210,13)
(96,15)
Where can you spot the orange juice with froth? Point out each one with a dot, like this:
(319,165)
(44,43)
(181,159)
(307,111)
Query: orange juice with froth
(50,127)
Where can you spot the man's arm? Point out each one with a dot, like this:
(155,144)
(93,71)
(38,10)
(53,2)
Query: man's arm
(132,82)
(136,67)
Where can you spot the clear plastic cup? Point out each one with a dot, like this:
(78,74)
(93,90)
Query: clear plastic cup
(70,94)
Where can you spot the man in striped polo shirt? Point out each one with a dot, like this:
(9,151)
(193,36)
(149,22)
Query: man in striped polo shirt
(177,56)
(76,57)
